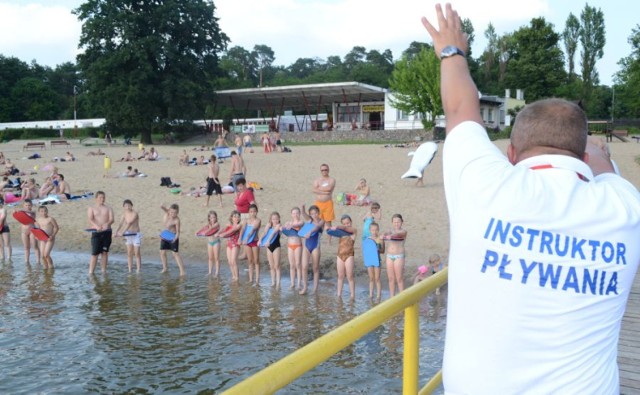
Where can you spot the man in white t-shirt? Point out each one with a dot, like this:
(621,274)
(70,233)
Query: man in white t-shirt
(544,244)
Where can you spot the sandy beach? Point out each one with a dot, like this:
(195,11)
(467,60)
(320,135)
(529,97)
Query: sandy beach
(285,179)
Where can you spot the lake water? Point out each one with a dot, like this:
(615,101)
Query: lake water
(68,332)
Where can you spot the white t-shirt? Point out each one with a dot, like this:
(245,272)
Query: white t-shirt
(542,259)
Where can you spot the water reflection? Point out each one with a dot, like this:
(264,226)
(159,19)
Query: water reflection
(68,332)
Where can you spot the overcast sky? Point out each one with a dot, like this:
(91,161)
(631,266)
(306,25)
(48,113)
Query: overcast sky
(45,30)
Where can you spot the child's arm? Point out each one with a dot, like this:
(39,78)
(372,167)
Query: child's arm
(264,231)
(349,229)
(55,229)
(317,227)
(304,213)
(177,230)
(122,220)
(242,225)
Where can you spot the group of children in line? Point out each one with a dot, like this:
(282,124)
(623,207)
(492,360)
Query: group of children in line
(41,248)
(302,231)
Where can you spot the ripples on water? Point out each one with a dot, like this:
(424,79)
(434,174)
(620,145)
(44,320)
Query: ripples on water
(67,332)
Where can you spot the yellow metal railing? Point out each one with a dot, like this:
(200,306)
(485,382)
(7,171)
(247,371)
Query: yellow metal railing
(294,365)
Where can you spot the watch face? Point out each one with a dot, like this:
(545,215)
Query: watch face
(450,51)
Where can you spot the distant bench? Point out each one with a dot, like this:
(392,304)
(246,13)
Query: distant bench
(636,138)
(59,142)
(34,144)
(619,134)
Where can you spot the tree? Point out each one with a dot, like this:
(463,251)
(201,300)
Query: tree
(149,63)
(570,37)
(416,85)
(238,65)
(264,57)
(33,100)
(592,39)
(356,56)
(627,80)
(12,70)
(535,61)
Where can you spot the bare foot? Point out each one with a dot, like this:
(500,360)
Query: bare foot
(303,291)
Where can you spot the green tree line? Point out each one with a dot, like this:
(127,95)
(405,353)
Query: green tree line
(146,65)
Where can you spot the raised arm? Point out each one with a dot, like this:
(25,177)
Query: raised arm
(459,93)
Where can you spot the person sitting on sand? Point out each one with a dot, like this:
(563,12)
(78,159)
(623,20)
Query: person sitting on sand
(69,157)
(29,189)
(46,188)
(153,154)
(127,158)
(10,168)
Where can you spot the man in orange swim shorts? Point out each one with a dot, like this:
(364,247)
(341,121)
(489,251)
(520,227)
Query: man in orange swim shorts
(323,189)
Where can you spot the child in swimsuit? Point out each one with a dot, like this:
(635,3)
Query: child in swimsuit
(294,247)
(395,254)
(273,249)
(28,239)
(249,239)
(130,223)
(213,243)
(171,223)
(374,271)
(311,247)
(345,260)
(50,226)
(232,233)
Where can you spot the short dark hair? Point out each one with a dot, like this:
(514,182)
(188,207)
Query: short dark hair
(241,181)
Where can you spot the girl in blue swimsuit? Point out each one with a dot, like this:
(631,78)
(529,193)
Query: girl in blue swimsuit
(311,247)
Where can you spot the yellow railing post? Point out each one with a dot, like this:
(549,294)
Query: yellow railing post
(411,350)
(294,365)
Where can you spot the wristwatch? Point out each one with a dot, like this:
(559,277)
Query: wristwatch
(450,51)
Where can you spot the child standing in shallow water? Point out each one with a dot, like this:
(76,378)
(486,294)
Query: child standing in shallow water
(28,240)
(130,225)
(273,249)
(213,243)
(232,233)
(373,268)
(249,237)
(345,259)
(395,254)
(50,226)
(311,249)
(171,223)
(294,248)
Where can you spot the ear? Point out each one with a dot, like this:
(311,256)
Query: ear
(511,154)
